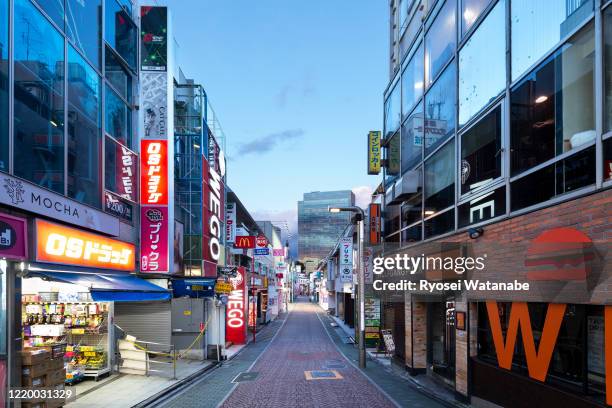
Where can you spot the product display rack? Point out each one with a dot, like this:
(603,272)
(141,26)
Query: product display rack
(83,326)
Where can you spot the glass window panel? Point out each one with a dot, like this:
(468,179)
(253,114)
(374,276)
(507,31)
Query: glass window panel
(39,101)
(393,155)
(121,32)
(4,83)
(413,26)
(411,209)
(607,18)
(481,152)
(118,118)
(482,64)
(440,41)
(484,207)
(84,140)
(118,76)
(393,110)
(440,224)
(412,234)
(120,170)
(392,220)
(552,110)
(412,81)
(537,26)
(84,27)
(412,139)
(54,9)
(440,180)
(470,11)
(440,105)
(570,174)
(607,159)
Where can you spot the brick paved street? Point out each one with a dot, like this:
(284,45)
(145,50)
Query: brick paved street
(290,349)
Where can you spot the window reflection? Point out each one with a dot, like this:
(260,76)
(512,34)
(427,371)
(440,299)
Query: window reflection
(4,136)
(121,32)
(440,224)
(552,110)
(440,103)
(440,180)
(412,138)
(393,155)
(482,64)
(412,81)
(470,11)
(538,25)
(607,19)
(118,118)
(39,102)
(481,152)
(393,111)
(54,9)
(440,41)
(84,140)
(118,76)
(84,27)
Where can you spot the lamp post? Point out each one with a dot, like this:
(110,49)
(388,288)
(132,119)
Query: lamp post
(360,276)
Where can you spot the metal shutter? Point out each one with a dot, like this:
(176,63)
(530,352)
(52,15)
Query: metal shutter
(146,321)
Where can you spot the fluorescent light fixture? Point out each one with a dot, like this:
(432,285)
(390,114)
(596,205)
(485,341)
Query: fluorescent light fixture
(53,123)
(541,98)
(333,210)
(429,212)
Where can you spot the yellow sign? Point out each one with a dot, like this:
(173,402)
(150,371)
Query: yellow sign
(374,152)
(78,331)
(371,336)
(223,288)
(187,312)
(90,354)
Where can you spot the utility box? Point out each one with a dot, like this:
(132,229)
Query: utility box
(188,315)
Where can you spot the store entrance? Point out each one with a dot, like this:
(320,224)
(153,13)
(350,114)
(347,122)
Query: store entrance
(441,339)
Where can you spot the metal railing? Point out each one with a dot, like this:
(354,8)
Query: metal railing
(149,361)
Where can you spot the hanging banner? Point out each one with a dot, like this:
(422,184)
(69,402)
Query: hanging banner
(123,166)
(235,321)
(154,239)
(374,152)
(346,259)
(374,224)
(230,222)
(154,172)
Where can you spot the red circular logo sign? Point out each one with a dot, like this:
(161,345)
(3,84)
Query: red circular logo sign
(261,241)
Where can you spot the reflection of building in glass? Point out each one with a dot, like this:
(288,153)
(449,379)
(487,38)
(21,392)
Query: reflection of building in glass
(318,229)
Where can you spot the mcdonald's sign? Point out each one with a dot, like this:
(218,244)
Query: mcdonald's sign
(245,241)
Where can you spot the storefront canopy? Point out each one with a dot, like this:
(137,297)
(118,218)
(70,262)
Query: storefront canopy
(194,288)
(107,287)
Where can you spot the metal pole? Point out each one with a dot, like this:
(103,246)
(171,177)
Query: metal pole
(173,362)
(361,282)
(219,333)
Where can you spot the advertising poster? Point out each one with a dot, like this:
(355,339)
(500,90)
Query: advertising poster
(346,259)
(154,89)
(154,239)
(153,38)
(374,152)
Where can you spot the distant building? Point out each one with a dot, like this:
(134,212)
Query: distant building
(318,229)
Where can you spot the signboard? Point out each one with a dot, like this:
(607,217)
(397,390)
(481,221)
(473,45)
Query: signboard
(261,241)
(230,222)
(389,342)
(154,172)
(393,156)
(374,224)
(374,152)
(346,259)
(278,252)
(213,206)
(245,242)
(28,197)
(154,239)
(154,89)
(222,287)
(153,38)
(253,311)
(121,164)
(262,251)
(117,206)
(13,237)
(69,246)
(368,266)
(235,324)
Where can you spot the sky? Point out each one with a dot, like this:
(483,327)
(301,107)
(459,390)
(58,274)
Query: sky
(296,85)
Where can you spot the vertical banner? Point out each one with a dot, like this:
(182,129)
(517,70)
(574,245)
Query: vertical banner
(346,259)
(154,172)
(374,152)
(374,223)
(154,239)
(235,321)
(230,222)
(153,38)
(368,266)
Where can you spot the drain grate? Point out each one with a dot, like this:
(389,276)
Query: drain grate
(322,375)
(245,377)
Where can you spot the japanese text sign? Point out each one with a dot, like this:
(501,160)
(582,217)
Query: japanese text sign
(154,239)
(154,172)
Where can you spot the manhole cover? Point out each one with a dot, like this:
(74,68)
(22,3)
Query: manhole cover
(244,377)
(322,375)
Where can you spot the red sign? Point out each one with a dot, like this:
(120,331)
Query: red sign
(154,239)
(245,241)
(13,237)
(154,172)
(235,320)
(125,171)
(252,311)
(374,224)
(64,245)
(261,241)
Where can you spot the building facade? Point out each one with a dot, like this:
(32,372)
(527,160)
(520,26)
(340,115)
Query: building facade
(318,229)
(498,139)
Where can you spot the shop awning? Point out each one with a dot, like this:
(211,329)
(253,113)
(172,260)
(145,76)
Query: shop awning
(107,287)
(194,287)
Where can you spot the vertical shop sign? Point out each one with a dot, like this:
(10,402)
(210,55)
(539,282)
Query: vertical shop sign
(13,237)
(154,239)
(346,259)
(374,224)
(154,172)
(374,152)
(230,222)
(235,323)
(368,266)
(153,38)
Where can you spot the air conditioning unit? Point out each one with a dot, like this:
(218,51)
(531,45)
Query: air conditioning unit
(407,185)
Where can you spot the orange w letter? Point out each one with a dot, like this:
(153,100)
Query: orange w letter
(537,361)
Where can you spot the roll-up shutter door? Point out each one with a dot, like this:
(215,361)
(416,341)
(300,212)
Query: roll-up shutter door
(146,321)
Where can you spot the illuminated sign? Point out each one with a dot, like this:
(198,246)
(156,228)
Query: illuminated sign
(346,259)
(59,244)
(374,224)
(374,152)
(122,163)
(154,172)
(154,239)
(235,326)
(13,237)
(245,242)
(213,206)
(261,241)
(230,222)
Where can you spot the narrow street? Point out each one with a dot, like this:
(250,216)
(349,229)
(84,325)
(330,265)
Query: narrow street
(283,370)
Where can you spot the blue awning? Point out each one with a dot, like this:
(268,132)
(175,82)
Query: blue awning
(107,287)
(194,287)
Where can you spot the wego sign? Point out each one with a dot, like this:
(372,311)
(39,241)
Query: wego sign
(235,330)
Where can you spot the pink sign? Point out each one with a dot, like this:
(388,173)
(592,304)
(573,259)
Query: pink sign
(13,237)
(278,252)
(154,239)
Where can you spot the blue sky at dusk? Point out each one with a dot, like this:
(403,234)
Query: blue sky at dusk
(296,86)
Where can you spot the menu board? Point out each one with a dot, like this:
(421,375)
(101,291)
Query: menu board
(388,339)
(372,321)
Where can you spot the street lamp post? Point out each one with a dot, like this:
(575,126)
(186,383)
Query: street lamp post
(360,277)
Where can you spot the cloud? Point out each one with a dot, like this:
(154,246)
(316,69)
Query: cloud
(363,195)
(267,143)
